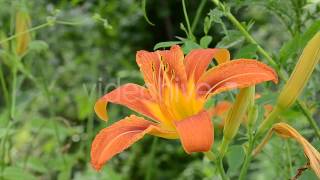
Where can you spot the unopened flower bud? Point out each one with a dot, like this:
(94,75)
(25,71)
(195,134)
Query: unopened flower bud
(301,73)
(237,113)
(23,23)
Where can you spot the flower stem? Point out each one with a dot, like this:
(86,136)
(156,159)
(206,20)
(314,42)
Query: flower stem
(14,92)
(290,169)
(198,13)
(310,119)
(224,147)
(247,160)
(24,32)
(221,169)
(218,162)
(245,33)
(4,86)
(266,123)
(252,117)
(187,19)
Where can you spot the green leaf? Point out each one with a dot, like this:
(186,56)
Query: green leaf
(248,51)
(205,41)
(166,44)
(38,46)
(14,173)
(235,157)
(215,15)
(233,38)
(189,45)
(207,25)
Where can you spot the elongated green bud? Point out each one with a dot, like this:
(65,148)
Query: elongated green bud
(301,73)
(235,117)
(237,113)
(23,23)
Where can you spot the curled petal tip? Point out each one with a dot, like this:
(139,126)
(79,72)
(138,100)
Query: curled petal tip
(100,109)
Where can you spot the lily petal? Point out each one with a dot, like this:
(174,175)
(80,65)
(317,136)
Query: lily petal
(174,60)
(118,137)
(234,74)
(196,132)
(149,64)
(131,95)
(198,60)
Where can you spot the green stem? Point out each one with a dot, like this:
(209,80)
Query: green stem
(252,117)
(224,147)
(266,123)
(13,93)
(289,157)
(3,146)
(273,63)
(187,19)
(251,39)
(24,32)
(4,86)
(310,119)
(221,169)
(218,162)
(198,13)
(247,160)
(69,23)
(150,158)
(296,7)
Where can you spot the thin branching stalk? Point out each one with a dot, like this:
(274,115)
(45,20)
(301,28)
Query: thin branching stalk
(13,92)
(288,152)
(4,86)
(247,160)
(187,19)
(310,119)
(24,32)
(252,117)
(198,13)
(218,162)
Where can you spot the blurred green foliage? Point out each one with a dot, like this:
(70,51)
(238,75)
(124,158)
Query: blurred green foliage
(92,46)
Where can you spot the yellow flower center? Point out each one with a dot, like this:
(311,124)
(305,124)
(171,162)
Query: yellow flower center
(176,105)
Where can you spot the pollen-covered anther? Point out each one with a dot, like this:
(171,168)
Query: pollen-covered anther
(173,75)
(153,67)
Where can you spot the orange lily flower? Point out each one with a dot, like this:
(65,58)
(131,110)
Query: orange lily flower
(177,89)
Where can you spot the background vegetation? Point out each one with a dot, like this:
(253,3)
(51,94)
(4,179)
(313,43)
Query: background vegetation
(46,97)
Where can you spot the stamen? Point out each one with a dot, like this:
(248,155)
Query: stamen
(153,68)
(172,75)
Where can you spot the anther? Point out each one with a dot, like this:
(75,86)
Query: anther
(153,68)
